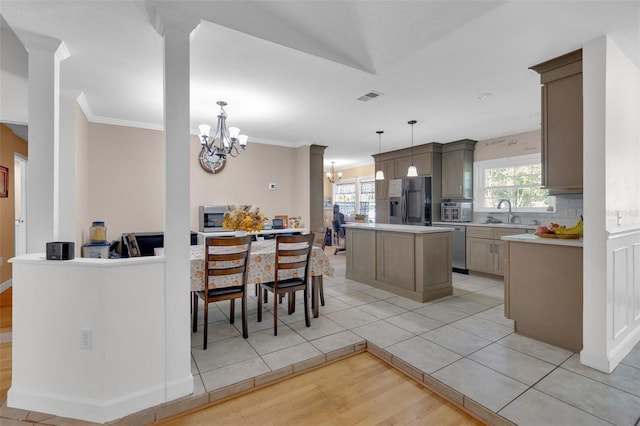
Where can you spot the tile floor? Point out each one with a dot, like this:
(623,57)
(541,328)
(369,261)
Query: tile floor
(462,341)
(461,346)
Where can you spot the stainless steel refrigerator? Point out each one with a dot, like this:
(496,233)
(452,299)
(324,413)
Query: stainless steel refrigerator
(410,201)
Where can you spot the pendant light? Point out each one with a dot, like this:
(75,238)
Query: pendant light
(412,171)
(380,173)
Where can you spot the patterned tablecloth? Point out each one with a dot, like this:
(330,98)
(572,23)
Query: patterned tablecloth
(261,264)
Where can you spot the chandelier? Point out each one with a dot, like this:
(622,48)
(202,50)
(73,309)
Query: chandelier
(225,141)
(332,175)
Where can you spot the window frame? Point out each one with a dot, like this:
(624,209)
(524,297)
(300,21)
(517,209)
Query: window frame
(479,168)
(357,181)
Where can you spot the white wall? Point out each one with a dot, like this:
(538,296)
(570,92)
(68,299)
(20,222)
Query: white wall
(611,251)
(125,174)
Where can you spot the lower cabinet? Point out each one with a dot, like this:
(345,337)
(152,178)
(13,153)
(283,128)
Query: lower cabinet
(486,252)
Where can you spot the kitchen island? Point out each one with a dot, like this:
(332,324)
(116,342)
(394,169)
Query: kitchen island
(408,260)
(543,289)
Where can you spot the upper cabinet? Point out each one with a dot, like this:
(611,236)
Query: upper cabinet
(561,80)
(457,169)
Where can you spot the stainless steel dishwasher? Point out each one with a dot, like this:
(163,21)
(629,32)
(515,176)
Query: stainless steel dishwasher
(458,246)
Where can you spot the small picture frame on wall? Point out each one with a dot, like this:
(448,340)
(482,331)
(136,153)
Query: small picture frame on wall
(4,181)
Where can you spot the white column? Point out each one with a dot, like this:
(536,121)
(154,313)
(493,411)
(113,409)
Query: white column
(176,30)
(66,204)
(45,54)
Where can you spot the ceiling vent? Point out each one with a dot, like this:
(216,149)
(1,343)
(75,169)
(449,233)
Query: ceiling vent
(369,96)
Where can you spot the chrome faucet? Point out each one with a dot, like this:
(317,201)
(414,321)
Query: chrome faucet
(509,215)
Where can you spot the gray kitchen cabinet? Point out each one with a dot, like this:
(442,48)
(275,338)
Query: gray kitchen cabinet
(561,83)
(422,161)
(486,252)
(428,161)
(457,169)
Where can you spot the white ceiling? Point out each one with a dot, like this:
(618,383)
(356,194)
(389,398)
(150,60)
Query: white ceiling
(291,70)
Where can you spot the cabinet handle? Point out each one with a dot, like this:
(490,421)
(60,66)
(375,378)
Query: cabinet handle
(491,248)
(460,189)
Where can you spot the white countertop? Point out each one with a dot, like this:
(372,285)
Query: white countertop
(488,225)
(532,238)
(412,229)
(41,258)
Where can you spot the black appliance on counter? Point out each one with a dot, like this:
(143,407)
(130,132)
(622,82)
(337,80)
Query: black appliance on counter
(410,201)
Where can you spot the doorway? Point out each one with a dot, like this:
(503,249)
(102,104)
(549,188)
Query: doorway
(20,204)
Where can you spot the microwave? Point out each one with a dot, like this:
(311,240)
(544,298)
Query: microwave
(456,211)
(210,218)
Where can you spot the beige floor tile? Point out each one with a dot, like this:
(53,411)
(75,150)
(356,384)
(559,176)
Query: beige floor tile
(605,402)
(414,323)
(382,309)
(422,354)
(534,348)
(234,373)
(535,408)
(456,340)
(291,355)
(336,341)
(482,384)
(382,333)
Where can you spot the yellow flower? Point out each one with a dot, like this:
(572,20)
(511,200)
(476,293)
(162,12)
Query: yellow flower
(244,218)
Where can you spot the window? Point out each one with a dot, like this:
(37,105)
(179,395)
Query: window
(367,199)
(356,196)
(344,195)
(516,179)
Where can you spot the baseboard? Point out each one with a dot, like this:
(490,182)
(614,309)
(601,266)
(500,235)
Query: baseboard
(86,409)
(5,285)
(179,388)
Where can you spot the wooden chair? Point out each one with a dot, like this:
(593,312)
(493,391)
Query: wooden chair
(320,240)
(293,253)
(224,256)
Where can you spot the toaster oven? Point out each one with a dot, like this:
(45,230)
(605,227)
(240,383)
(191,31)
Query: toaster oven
(456,211)
(210,218)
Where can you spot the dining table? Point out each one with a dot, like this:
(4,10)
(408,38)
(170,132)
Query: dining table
(261,266)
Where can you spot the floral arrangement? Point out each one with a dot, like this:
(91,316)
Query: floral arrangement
(294,222)
(243,218)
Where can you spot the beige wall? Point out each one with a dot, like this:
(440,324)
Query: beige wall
(126,180)
(10,144)
(508,146)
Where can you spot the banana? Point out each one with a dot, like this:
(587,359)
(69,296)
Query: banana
(577,229)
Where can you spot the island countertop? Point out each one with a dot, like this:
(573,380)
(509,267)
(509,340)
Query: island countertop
(411,229)
(532,238)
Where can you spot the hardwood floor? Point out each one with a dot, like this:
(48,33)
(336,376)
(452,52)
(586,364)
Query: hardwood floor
(5,310)
(5,369)
(5,348)
(357,390)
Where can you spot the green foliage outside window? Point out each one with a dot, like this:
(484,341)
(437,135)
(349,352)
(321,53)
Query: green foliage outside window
(518,182)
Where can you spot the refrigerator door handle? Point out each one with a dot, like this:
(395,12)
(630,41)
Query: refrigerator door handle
(404,206)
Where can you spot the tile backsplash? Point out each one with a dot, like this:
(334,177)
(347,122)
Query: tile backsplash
(568,210)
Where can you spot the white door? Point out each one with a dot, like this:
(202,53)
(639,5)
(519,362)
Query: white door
(20,204)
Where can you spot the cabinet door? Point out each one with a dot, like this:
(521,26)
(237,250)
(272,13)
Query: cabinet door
(423,164)
(457,174)
(500,252)
(562,133)
(382,210)
(421,161)
(452,174)
(401,167)
(480,255)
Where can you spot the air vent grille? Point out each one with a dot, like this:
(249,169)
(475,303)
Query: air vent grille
(369,96)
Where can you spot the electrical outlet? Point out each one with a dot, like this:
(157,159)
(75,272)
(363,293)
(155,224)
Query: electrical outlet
(619,217)
(86,339)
